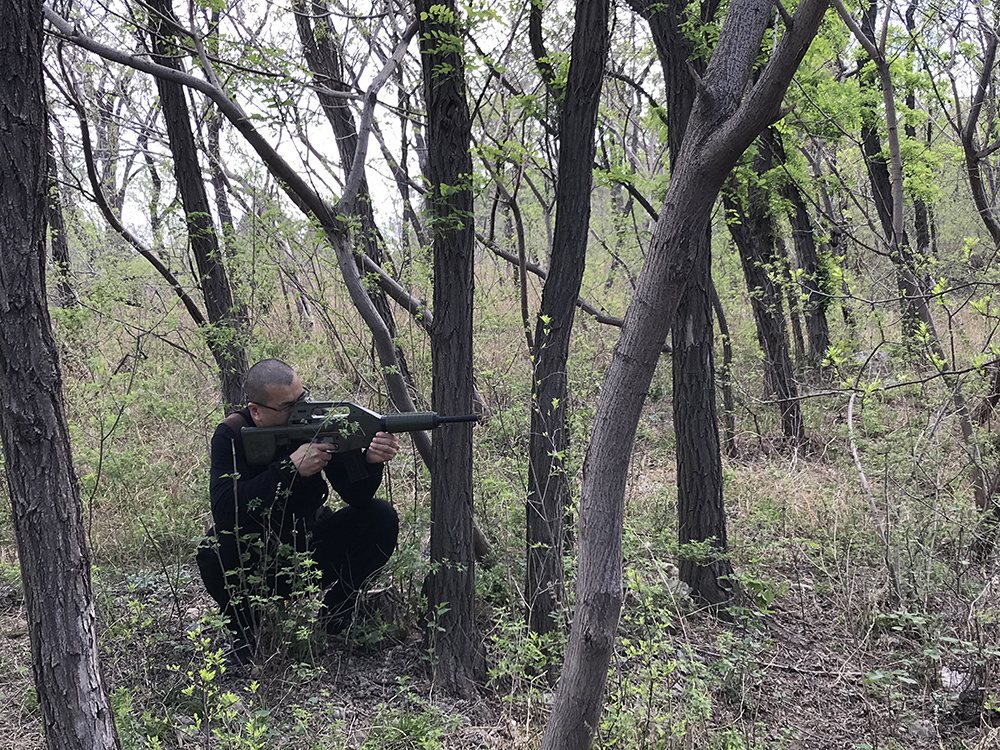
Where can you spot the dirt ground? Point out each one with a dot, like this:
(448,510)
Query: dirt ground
(808,683)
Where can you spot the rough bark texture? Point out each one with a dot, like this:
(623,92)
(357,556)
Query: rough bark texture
(701,511)
(701,514)
(450,587)
(548,488)
(48,516)
(228,320)
(724,121)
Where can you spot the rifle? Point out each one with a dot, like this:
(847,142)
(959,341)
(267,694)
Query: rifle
(343,425)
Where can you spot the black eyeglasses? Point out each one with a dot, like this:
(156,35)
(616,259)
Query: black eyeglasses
(287,405)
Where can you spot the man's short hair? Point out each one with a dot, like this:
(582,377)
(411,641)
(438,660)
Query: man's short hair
(263,375)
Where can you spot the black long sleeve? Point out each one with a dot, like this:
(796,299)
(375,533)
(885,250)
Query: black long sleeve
(253,497)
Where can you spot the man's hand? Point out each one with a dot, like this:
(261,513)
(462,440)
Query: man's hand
(384,447)
(310,458)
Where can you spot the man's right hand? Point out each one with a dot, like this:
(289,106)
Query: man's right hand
(310,458)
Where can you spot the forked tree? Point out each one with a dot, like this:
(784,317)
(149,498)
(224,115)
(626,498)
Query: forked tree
(726,116)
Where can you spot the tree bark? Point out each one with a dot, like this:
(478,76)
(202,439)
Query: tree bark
(700,512)
(548,486)
(754,233)
(65,296)
(458,661)
(227,333)
(724,121)
(48,515)
(816,302)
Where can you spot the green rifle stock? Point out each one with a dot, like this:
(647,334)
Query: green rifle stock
(344,425)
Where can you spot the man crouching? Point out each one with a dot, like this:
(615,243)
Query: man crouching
(263,514)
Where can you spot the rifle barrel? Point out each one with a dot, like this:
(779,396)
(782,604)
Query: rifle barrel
(461,418)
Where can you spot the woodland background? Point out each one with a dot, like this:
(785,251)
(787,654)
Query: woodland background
(825,576)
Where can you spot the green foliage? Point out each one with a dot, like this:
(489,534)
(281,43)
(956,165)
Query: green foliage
(416,725)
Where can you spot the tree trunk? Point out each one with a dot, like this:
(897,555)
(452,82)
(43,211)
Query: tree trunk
(57,230)
(754,235)
(701,513)
(724,121)
(458,661)
(548,487)
(699,459)
(227,333)
(48,515)
(816,302)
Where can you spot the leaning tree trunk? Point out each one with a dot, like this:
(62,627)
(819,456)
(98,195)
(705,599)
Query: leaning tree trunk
(227,333)
(458,661)
(548,485)
(724,121)
(48,515)
(701,513)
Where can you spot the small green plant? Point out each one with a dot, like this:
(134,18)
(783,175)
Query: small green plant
(414,725)
(216,713)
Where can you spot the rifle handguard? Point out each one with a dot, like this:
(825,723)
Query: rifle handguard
(346,426)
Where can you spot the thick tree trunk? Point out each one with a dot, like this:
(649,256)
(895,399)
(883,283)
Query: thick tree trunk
(227,334)
(724,121)
(458,661)
(548,487)
(701,513)
(48,516)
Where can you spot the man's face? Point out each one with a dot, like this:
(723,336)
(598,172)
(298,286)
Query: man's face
(280,400)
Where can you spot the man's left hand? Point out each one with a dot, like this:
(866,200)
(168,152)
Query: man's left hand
(384,447)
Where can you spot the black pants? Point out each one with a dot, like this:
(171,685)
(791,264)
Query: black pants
(348,546)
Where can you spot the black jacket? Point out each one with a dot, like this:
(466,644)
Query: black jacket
(274,498)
